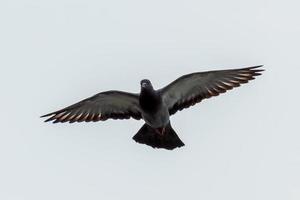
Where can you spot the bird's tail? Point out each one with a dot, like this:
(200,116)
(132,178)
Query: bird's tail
(150,136)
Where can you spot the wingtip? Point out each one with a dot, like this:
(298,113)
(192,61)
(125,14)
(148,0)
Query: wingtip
(256,67)
(52,113)
(257,70)
(44,116)
(48,115)
(48,119)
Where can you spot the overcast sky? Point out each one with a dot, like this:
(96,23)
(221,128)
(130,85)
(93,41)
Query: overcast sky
(241,145)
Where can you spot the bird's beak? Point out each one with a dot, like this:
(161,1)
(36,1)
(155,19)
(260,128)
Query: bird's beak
(144,85)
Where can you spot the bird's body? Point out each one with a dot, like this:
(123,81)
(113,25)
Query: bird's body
(154,111)
(158,118)
(155,106)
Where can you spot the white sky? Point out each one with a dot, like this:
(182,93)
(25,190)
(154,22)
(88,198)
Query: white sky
(241,145)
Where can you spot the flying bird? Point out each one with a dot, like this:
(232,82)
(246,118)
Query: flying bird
(155,106)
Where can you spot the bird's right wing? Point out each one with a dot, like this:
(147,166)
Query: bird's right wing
(193,88)
(110,104)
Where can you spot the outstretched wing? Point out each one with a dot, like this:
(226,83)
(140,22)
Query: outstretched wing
(110,104)
(192,88)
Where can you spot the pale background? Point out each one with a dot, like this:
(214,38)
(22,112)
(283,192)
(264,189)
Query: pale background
(241,145)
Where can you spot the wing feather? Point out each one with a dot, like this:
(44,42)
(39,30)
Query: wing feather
(193,88)
(102,106)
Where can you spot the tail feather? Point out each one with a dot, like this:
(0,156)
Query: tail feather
(149,136)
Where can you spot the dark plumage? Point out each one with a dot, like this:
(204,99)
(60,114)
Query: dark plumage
(155,106)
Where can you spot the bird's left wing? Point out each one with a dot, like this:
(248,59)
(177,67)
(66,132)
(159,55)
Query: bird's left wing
(193,88)
(102,106)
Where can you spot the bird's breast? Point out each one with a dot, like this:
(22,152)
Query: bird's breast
(154,111)
(159,118)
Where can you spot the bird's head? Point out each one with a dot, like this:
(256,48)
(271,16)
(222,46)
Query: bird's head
(146,84)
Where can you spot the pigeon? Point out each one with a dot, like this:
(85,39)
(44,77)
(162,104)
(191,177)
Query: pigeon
(155,106)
